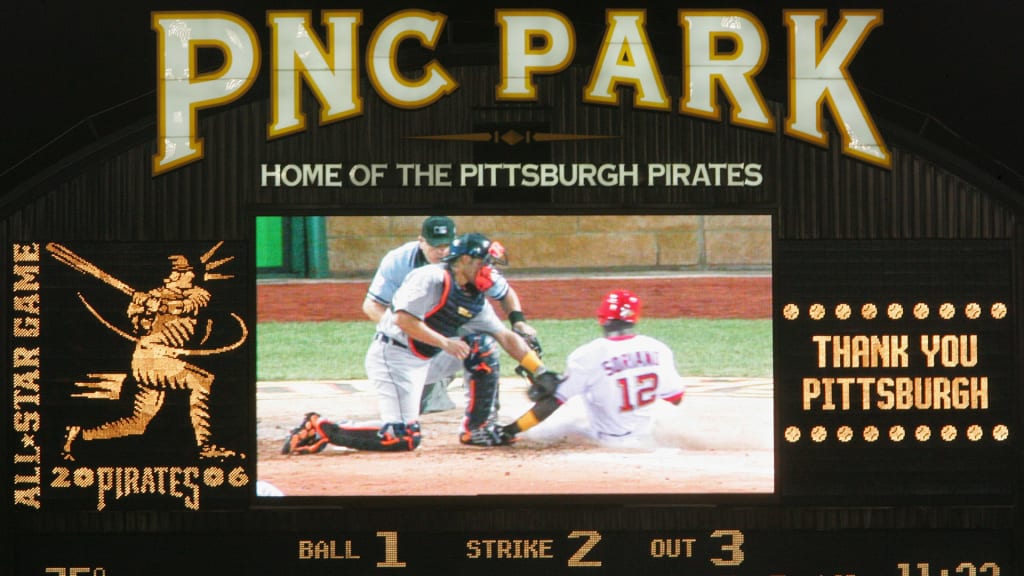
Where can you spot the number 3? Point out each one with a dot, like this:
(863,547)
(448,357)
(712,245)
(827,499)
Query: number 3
(734,548)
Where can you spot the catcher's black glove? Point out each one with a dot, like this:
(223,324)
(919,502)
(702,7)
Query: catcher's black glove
(543,385)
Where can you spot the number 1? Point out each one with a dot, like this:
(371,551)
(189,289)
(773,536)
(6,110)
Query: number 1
(390,550)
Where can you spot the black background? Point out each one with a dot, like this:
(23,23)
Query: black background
(930,272)
(82,70)
(949,70)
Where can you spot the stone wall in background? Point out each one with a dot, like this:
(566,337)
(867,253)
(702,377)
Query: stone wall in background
(541,244)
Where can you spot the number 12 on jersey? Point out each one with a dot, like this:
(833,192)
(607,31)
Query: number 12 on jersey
(637,391)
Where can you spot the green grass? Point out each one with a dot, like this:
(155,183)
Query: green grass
(335,350)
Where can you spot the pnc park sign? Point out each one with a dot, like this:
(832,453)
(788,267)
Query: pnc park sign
(723,51)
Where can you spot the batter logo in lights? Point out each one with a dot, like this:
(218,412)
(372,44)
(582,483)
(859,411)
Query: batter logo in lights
(136,366)
(165,322)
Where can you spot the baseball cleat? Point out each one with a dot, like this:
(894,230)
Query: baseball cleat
(489,434)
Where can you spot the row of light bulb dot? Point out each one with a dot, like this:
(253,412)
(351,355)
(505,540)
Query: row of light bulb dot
(894,311)
(897,433)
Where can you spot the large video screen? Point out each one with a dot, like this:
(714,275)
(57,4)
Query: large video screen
(704,285)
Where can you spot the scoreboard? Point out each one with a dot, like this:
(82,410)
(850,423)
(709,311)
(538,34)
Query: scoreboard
(719,551)
(891,451)
(895,365)
(843,303)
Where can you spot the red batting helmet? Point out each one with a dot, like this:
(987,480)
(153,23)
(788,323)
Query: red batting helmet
(619,305)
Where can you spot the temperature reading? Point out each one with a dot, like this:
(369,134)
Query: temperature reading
(962,569)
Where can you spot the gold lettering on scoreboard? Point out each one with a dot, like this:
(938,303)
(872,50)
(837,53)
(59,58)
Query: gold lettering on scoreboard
(170,333)
(927,371)
(901,392)
(330,66)
(719,551)
(25,383)
(515,548)
(326,550)
(112,483)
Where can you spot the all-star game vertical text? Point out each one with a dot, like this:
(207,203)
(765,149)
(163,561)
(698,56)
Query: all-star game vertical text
(131,398)
(25,374)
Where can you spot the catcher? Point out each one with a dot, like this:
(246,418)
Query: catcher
(433,244)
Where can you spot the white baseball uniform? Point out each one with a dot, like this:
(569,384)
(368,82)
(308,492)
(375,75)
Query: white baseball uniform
(620,378)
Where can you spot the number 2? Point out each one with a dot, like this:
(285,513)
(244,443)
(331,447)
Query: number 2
(592,538)
(644,391)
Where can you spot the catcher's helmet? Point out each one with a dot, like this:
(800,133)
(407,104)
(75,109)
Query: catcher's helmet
(476,245)
(621,305)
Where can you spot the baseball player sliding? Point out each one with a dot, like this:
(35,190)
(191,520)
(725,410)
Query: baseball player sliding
(619,376)
(418,340)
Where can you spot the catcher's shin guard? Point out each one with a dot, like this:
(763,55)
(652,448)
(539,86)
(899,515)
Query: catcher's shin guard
(391,437)
(482,372)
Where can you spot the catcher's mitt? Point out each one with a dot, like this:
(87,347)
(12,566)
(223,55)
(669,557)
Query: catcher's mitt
(543,385)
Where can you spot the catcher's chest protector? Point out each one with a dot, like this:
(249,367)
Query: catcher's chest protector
(457,306)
